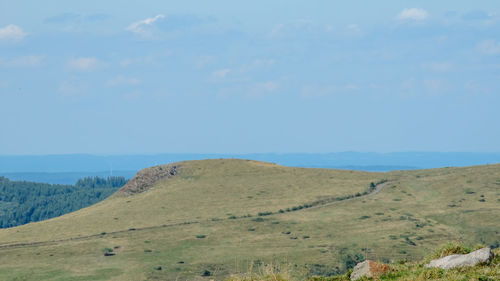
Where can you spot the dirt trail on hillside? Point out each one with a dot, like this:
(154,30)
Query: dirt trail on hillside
(377,189)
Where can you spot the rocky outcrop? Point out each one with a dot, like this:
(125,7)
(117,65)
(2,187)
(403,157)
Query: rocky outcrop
(484,255)
(368,269)
(146,178)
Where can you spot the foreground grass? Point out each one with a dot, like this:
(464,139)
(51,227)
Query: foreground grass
(219,218)
(410,271)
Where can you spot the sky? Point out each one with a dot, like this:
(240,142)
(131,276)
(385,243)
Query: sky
(125,77)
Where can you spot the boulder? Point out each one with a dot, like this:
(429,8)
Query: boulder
(368,269)
(483,255)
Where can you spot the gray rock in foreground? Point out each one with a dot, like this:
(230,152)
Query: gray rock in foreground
(368,269)
(483,255)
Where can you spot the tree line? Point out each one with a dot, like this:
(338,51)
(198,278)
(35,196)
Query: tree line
(23,202)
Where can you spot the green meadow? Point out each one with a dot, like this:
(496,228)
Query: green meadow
(220,218)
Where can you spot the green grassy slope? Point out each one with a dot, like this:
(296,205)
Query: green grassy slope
(198,220)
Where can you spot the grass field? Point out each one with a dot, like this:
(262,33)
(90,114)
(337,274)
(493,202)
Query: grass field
(222,217)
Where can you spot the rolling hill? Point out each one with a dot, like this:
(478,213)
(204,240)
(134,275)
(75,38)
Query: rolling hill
(208,219)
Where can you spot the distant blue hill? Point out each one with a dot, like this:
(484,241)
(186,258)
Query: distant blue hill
(68,168)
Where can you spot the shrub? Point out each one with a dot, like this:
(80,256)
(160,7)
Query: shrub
(450,248)
(364,217)
(148,250)
(201,236)
(410,242)
(106,250)
(261,214)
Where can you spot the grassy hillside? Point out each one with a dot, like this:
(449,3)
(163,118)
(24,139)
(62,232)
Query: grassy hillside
(205,221)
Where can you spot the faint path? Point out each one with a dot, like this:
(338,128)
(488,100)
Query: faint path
(377,189)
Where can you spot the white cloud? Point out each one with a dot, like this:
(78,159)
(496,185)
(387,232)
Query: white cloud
(436,86)
(489,47)
(71,89)
(262,63)
(221,74)
(138,27)
(24,61)
(203,61)
(261,89)
(416,14)
(122,81)
(301,26)
(353,87)
(354,29)
(83,64)
(315,91)
(475,87)
(268,86)
(438,66)
(12,33)
(147,60)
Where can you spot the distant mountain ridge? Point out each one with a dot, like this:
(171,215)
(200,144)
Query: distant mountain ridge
(345,160)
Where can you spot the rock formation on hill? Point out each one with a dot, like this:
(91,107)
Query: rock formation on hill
(146,178)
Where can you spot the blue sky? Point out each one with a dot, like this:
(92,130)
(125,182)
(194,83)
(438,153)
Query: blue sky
(258,76)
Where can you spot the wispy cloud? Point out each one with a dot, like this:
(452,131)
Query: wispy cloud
(12,32)
(243,72)
(438,66)
(23,61)
(489,47)
(414,14)
(301,26)
(140,27)
(354,29)
(352,87)
(66,18)
(123,81)
(72,89)
(436,86)
(203,61)
(475,87)
(220,74)
(315,91)
(259,90)
(147,60)
(84,64)
(476,15)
